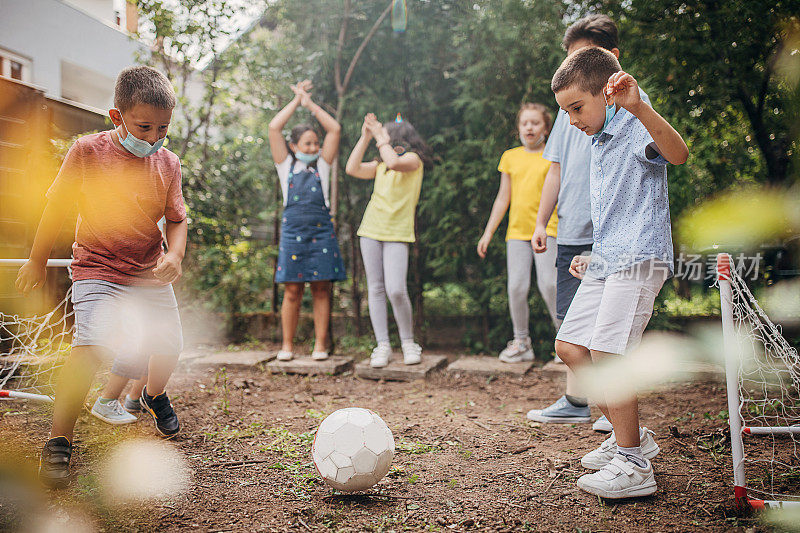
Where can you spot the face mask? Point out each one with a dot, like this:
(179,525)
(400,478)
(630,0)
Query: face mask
(306,158)
(611,110)
(537,142)
(137,146)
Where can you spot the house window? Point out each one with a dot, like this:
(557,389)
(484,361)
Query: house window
(14,66)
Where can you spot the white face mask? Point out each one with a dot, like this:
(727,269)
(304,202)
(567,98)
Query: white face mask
(535,143)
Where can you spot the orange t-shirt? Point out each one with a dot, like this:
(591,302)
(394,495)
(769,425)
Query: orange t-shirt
(120,200)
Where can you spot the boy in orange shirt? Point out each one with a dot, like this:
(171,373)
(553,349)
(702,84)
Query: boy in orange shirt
(123,182)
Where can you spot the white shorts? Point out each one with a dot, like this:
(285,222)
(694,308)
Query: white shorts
(610,315)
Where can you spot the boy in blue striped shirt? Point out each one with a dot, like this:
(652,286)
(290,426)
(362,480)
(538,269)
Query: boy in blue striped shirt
(632,251)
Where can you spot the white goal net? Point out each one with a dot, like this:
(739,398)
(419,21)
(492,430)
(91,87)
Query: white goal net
(763,377)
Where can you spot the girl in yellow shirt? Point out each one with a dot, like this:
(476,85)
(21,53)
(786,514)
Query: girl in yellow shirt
(388,227)
(522,173)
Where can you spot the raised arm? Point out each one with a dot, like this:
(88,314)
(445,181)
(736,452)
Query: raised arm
(407,162)
(669,143)
(333,130)
(277,143)
(356,166)
(547,204)
(499,208)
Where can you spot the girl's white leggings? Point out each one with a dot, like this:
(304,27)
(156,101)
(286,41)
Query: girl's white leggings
(386,266)
(520,257)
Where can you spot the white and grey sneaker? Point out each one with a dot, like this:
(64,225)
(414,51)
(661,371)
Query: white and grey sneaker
(517,351)
(132,405)
(597,459)
(319,356)
(561,412)
(112,412)
(620,478)
(412,353)
(380,356)
(602,425)
(284,355)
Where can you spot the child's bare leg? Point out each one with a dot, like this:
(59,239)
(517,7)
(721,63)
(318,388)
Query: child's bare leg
(290,313)
(159,372)
(624,416)
(114,387)
(321,294)
(572,385)
(576,357)
(74,380)
(136,387)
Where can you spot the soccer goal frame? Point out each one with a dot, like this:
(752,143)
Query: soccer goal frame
(27,350)
(733,358)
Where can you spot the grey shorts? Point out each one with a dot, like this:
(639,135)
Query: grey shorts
(567,284)
(133,322)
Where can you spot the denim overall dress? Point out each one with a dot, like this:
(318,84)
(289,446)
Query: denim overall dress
(309,250)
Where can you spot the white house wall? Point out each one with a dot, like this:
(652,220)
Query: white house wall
(55,36)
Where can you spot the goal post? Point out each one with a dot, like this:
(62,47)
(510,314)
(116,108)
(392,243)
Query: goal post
(762,372)
(33,347)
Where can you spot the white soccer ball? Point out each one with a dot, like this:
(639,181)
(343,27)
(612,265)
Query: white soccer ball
(353,449)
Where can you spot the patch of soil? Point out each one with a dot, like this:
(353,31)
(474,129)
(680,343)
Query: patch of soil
(467,458)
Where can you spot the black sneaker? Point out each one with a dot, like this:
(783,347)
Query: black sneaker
(162,412)
(132,405)
(54,463)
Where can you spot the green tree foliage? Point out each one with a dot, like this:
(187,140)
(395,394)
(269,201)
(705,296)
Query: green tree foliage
(712,66)
(459,74)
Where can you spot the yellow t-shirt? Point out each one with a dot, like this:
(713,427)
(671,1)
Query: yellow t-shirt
(527,171)
(390,213)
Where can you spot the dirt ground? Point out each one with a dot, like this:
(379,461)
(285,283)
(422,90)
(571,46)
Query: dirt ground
(466,459)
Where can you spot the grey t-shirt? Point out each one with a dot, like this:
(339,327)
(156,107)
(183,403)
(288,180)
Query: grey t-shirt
(572,149)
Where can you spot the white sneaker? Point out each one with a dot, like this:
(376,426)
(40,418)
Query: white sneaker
(319,356)
(602,425)
(412,353)
(597,459)
(517,351)
(620,478)
(285,355)
(112,412)
(380,356)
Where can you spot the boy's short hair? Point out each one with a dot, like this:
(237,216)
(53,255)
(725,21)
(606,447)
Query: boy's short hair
(600,30)
(143,85)
(589,68)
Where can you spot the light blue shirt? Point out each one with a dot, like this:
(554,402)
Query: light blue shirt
(571,148)
(629,201)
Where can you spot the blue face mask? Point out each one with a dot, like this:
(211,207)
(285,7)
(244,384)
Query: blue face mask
(137,146)
(611,110)
(306,158)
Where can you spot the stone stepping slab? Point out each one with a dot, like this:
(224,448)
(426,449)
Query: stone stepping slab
(397,371)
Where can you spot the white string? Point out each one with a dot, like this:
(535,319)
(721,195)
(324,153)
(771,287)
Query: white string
(32,348)
(769,392)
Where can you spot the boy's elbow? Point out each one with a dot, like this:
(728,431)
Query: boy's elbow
(337,129)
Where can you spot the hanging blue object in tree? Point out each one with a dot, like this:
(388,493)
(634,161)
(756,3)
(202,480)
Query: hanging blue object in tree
(399,16)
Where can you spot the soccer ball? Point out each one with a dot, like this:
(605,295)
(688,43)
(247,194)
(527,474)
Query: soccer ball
(352,449)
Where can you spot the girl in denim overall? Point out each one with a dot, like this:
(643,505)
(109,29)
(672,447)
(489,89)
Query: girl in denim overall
(309,251)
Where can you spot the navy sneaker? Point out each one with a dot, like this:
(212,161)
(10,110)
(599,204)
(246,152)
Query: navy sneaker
(561,412)
(54,463)
(162,412)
